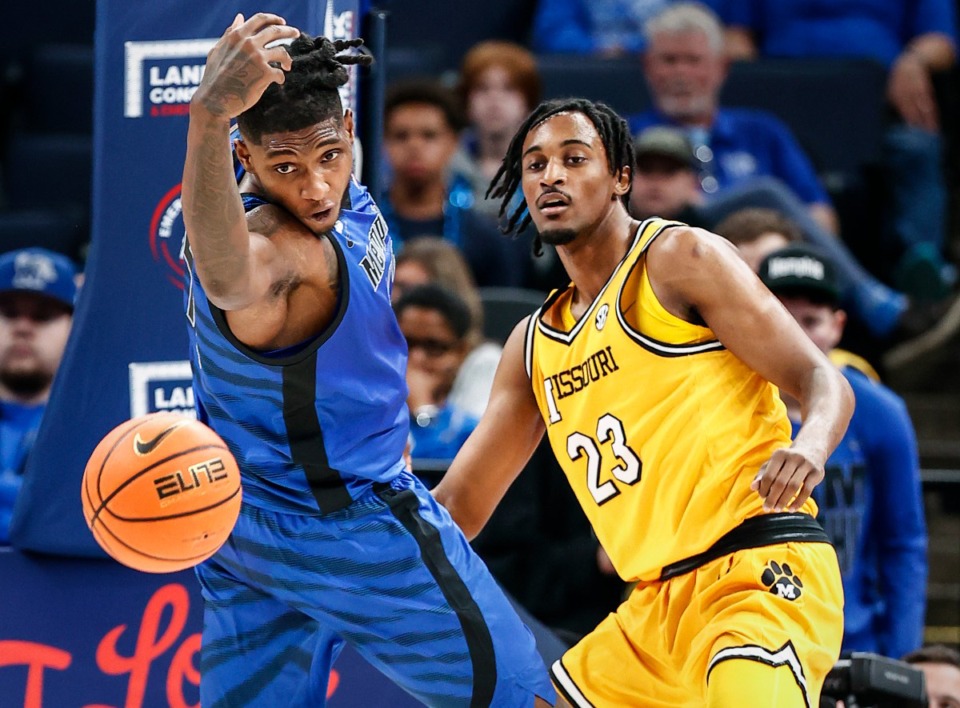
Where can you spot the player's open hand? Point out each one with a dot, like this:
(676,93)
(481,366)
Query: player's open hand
(786,481)
(240,66)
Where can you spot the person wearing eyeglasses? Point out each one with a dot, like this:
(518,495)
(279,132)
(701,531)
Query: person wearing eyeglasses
(37,291)
(435,322)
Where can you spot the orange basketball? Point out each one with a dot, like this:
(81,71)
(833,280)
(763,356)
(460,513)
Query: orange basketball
(161,492)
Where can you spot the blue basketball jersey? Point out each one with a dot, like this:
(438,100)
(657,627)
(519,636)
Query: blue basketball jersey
(313,426)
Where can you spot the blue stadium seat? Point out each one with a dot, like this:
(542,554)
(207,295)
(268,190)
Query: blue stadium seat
(617,82)
(504,307)
(431,26)
(59,88)
(49,172)
(36,22)
(46,229)
(835,107)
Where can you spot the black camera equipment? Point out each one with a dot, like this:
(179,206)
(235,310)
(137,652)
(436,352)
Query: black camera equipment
(864,680)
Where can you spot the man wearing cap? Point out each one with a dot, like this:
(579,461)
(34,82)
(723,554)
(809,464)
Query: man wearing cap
(870,500)
(665,185)
(37,292)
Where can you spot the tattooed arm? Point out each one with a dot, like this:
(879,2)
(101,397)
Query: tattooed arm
(235,267)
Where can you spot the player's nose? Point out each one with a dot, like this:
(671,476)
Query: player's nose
(553,173)
(314,187)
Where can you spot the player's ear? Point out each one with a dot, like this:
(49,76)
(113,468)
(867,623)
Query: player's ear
(243,154)
(623,182)
(348,123)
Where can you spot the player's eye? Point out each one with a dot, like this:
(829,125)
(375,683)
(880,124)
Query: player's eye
(284,169)
(330,156)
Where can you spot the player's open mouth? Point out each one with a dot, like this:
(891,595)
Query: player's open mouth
(321,215)
(552,203)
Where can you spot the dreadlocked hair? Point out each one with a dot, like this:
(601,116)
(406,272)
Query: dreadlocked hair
(309,92)
(614,134)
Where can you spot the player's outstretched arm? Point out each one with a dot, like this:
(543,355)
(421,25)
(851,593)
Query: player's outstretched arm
(499,448)
(696,273)
(239,69)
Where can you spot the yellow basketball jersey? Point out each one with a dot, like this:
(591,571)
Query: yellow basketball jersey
(659,429)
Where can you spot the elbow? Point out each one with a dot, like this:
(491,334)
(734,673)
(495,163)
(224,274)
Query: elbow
(227,291)
(846,396)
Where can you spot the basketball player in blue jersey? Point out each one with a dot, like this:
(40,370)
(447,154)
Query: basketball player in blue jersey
(299,365)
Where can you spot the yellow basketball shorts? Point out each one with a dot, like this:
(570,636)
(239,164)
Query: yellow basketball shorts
(757,627)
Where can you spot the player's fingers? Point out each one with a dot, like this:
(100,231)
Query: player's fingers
(276,33)
(261,21)
(279,57)
(237,21)
(783,490)
(770,472)
(755,484)
(276,75)
(780,470)
(806,489)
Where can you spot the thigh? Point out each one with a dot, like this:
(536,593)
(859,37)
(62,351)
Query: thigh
(422,607)
(773,615)
(628,660)
(257,650)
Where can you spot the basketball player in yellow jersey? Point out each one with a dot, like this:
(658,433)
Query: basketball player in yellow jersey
(654,376)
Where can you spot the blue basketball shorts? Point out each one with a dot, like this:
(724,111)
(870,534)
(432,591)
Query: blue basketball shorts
(393,576)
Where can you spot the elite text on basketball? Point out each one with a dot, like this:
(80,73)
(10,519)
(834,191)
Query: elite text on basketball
(203,474)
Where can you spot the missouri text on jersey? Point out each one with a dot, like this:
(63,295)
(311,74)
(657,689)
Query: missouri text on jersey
(576,378)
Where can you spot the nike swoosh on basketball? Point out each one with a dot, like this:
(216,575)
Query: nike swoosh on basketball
(145,448)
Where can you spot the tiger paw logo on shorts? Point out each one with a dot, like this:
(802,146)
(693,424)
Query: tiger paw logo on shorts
(781,581)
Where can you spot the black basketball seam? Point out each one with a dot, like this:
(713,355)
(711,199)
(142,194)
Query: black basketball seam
(129,520)
(103,462)
(104,502)
(100,471)
(143,554)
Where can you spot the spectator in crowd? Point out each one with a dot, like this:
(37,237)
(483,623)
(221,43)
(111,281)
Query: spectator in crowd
(428,259)
(870,501)
(915,40)
(759,232)
(608,28)
(499,85)
(436,324)
(941,670)
(685,68)
(37,292)
(422,124)
(665,184)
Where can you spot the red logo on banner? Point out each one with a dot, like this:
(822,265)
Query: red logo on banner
(161,631)
(166,235)
(170,603)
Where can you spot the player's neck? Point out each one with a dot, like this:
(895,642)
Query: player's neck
(591,257)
